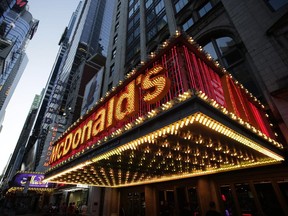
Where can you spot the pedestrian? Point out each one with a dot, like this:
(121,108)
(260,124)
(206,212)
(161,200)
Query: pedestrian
(84,209)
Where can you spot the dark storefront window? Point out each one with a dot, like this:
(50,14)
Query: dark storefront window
(193,201)
(284,189)
(245,199)
(268,199)
(228,201)
(136,204)
(166,202)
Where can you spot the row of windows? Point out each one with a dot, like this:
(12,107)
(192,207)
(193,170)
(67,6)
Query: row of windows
(200,12)
(154,12)
(133,35)
(135,5)
(154,29)
(135,20)
(180,4)
(156,18)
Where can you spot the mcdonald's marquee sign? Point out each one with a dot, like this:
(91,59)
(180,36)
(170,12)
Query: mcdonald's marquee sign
(178,67)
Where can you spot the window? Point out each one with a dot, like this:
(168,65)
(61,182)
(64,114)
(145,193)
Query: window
(159,7)
(283,185)
(155,18)
(112,69)
(110,86)
(116,26)
(276,4)
(245,199)
(151,33)
(187,24)
(205,9)
(118,15)
(133,28)
(132,51)
(224,50)
(115,39)
(228,200)
(268,199)
(133,8)
(156,27)
(118,6)
(180,4)
(148,3)
(113,53)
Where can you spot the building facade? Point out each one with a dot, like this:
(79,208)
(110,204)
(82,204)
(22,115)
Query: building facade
(81,56)
(248,40)
(220,29)
(192,109)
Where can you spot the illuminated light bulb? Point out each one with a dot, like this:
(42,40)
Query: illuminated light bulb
(164,44)
(177,147)
(210,143)
(218,147)
(165,144)
(178,157)
(240,155)
(169,155)
(205,154)
(147,150)
(202,162)
(159,152)
(226,150)
(194,161)
(187,150)
(196,152)
(213,157)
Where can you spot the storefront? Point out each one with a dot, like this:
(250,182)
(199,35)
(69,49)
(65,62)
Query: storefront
(179,132)
(28,192)
(238,193)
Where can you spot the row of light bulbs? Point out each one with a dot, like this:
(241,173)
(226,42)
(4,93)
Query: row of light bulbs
(198,118)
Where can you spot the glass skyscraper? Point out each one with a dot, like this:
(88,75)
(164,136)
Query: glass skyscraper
(17,28)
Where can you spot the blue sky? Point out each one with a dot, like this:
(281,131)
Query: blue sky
(54,16)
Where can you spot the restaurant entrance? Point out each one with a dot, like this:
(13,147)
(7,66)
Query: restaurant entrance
(132,202)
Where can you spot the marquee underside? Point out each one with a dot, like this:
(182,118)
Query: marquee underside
(200,140)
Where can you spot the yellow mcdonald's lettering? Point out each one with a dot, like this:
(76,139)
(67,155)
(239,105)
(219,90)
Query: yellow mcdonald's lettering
(99,123)
(119,107)
(67,144)
(156,85)
(110,112)
(127,102)
(59,151)
(77,138)
(86,133)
